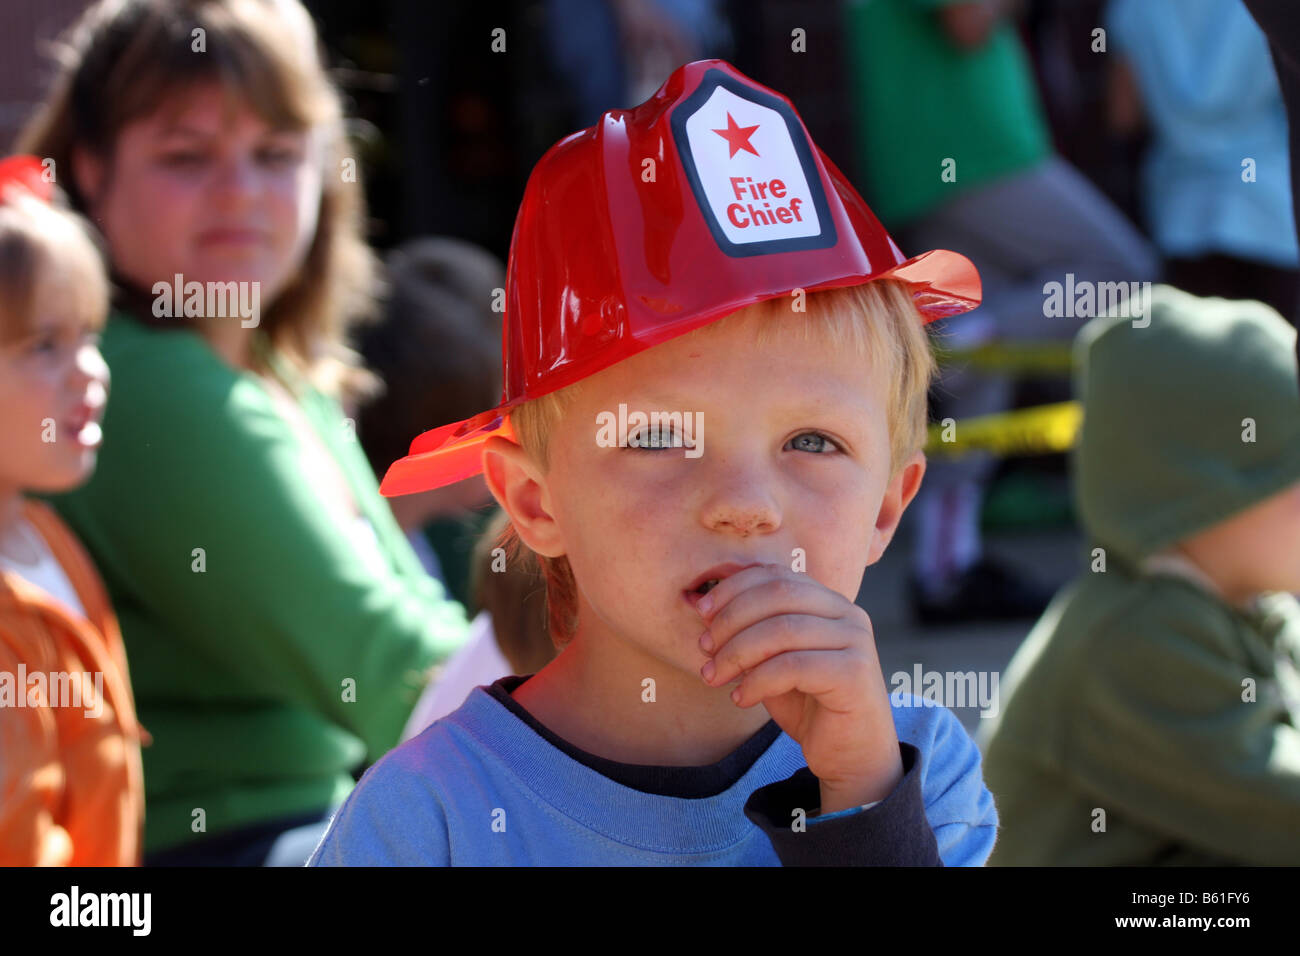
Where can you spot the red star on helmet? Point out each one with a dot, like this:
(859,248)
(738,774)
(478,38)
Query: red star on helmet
(737,137)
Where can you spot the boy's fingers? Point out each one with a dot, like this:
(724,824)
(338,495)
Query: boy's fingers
(819,673)
(728,588)
(772,635)
(767,597)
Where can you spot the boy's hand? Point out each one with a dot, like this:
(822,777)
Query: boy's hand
(808,654)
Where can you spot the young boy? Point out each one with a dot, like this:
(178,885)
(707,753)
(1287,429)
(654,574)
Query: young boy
(1151,716)
(663,276)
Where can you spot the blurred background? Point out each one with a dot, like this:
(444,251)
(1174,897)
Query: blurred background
(450,129)
(447,131)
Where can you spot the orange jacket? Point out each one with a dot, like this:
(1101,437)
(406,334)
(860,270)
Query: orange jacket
(71,785)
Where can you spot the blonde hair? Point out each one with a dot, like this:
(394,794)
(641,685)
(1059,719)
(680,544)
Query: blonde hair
(123,59)
(877,320)
(35,238)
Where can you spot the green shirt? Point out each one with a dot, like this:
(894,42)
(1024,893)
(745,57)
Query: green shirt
(921,102)
(271,650)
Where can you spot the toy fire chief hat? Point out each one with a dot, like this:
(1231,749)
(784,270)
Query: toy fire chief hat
(708,197)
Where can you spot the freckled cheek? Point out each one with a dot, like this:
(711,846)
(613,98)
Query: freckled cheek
(835,534)
(833,504)
(622,531)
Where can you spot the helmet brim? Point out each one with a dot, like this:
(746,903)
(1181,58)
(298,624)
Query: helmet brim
(446,455)
(944,283)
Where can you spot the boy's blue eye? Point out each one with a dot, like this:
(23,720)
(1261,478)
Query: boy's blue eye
(825,441)
(648,439)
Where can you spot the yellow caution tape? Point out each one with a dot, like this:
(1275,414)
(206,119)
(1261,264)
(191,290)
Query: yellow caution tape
(1042,430)
(1026,358)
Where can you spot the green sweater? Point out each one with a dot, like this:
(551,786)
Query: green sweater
(273,661)
(1146,720)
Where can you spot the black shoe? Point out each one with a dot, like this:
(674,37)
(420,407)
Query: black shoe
(986,591)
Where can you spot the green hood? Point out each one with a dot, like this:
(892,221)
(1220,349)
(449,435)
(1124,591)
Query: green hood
(1161,453)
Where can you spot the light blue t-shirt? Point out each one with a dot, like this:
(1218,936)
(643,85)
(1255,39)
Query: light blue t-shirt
(481,788)
(1213,101)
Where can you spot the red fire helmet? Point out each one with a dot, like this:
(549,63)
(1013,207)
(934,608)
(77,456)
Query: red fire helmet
(708,197)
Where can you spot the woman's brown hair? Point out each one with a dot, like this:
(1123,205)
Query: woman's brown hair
(123,59)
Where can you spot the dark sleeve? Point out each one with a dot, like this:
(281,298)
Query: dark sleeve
(894,832)
(1280,21)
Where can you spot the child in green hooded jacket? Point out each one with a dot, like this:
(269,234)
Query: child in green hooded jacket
(1152,716)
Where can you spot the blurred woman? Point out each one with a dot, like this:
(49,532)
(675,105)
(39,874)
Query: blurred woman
(277,621)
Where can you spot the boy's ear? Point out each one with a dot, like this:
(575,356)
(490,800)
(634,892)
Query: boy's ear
(521,490)
(898,495)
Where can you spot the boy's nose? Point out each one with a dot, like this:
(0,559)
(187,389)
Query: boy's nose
(744,507)
(746,523)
